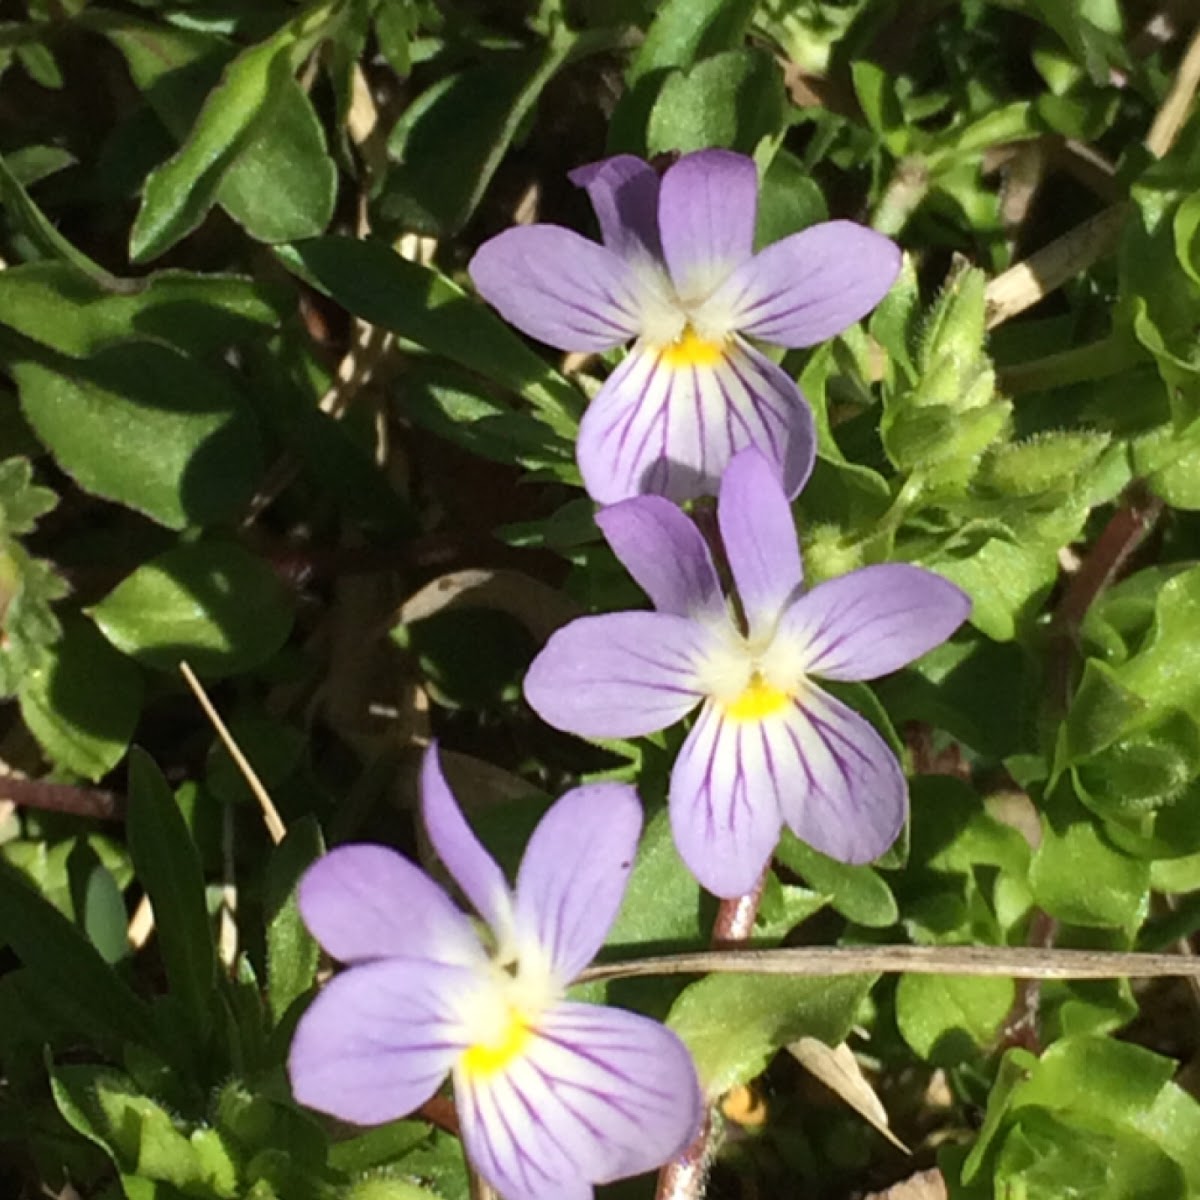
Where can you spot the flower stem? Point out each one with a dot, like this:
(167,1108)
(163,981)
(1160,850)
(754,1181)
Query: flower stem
(686,1177)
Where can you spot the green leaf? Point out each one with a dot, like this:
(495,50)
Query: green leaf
(1077,875)
(734,1024)
(661,906)
(946,1019)
(685,31)
(83,702)
(62,957)
(449,143)
(53,304)
(28,587)
(857,892)
(282,185)
(389,1189)
(1007,582)
(1046,463)
(243,107)
(373,282)
(22,502)
(1046,1158)
(168,867)
(105,1107)
(789,199)
(141,424)
(292,952)
(213,604)
(734,99)
(377,1147)
(280,182)
(876,93)
(40,230)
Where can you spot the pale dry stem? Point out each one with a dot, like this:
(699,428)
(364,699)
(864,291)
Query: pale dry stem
(270,814)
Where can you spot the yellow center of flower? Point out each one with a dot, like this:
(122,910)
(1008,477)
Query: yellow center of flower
(758,701)
(490,1057)
(691,350)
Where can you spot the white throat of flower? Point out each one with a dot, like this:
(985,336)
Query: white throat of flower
(685,325)
(751,679)
(502,1012)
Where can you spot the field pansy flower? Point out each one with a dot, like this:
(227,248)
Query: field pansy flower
(677,272)
(552,1096)
(770,746)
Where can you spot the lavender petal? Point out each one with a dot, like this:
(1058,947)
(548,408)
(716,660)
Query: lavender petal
(599,1095)
(812,285)
(617,675)
(558,287)
(624,192)
(574,872)
(707,207)
(665,552)
(470,865)
(873,621)
(379,1039)
(842,790)
(759,534)
(367,902)
(724,801)
(673,429)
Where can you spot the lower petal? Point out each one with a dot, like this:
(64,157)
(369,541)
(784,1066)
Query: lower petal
(844,792)
(669,421)
(725,811)
(599,1094)
(380,1038)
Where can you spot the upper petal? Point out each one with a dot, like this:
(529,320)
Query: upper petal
(875,620)
(617,675)
(840,786)
(471,866)
(558,287)
(725,812)
(624,192)
(664,425)
(379,1039)
(599,1094)
(759,534)
(574,873)
(367,902)
(810,286)
(665,552)
(707,207)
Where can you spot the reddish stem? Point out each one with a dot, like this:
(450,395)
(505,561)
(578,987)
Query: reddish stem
(63,797)
(686,1177)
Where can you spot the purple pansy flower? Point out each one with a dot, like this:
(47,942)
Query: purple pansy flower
(552,1096)
(770,747)
(678,272)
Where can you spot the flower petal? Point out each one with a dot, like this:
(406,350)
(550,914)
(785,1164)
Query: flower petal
(379,1039)
(839,785)
(810,286)
(367,902)
(574,872)
(724,802)
(470,865)
(665,552)
(661,426)
(600,1094)
(759,533)
(558,287)
(624,192)
(617,675)
(707,207)
(869,622)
